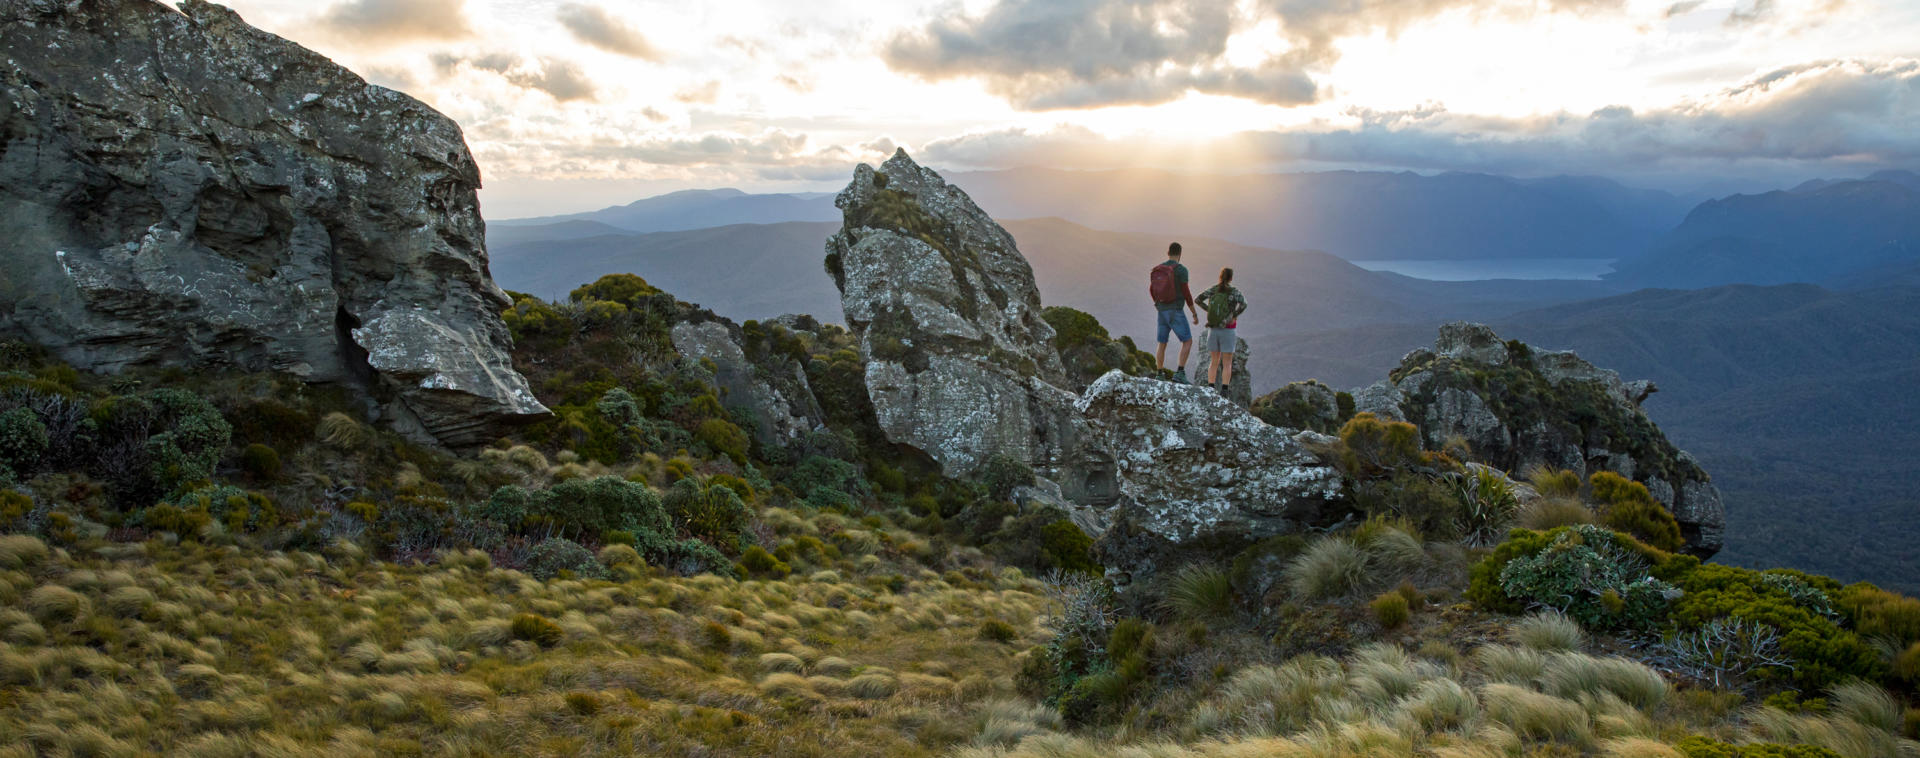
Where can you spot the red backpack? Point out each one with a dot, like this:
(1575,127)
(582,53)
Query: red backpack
(1163,284)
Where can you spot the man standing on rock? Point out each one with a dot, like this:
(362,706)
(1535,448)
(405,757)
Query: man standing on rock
(1168,286)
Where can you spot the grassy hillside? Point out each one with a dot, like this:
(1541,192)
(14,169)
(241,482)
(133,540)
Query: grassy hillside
(230,565)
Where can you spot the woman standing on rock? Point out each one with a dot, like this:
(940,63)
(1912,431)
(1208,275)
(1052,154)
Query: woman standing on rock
(1224,304)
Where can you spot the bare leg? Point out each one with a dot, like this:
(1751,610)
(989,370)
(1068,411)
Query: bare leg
(1185,347)
(1213,368)
(1160,356)
(1226,367)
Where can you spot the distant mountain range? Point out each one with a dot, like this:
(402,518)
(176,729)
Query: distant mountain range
(1356,215)
(1821,232)
(1789,395)
(698,209)
(762,270)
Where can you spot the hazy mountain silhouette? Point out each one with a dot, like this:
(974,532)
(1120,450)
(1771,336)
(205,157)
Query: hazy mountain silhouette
(699,209)
(761,270)
(1358,215)
(1788,394)
(1821,232)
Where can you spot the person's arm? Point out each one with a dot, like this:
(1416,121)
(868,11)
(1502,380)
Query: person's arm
(1187,292)
(1239,305)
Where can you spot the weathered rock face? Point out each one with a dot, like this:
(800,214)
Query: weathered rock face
(774,389)
(963,365)
(1240,387)
(1517,406)
(1193,470)
(960,363)
(179,188)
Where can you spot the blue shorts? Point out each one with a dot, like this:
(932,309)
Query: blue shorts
(1171,319)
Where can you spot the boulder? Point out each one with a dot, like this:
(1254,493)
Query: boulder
(1240,387)
(178,188)
(960,359)
(1198,476)
(1517,406)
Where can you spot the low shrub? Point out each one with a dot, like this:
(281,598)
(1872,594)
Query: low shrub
(706,510)
(1586,573)
(260,462)
(756,561)
(995,630)
(1705,747)
(1627,506)
(1390,610)
(557,555)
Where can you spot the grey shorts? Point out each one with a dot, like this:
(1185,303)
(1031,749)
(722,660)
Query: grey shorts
(1221,340)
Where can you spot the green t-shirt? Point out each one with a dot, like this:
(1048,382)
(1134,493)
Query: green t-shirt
(1180,278)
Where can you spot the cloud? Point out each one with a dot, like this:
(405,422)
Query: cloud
(1054,54)
(387,21)
(528,148)
(564,80)
(1826,115)
(1758,11)
(701,94)
(595,26)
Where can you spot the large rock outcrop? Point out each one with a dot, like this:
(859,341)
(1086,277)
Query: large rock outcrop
(962,365)
(179,188)
(1518,406)
(1193,471)
(960,359)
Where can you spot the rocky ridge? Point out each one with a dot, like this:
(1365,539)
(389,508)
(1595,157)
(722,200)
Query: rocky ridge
(1517,406)
(961,366)
(178,188)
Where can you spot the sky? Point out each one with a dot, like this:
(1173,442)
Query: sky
(572,106)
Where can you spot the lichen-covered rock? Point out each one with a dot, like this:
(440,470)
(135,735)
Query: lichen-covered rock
(960,360)
(1197,473)
(1240,387)
(1517,406)
(179,188)
(774,389)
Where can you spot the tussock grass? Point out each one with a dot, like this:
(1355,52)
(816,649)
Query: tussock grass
(1330,567)
(1547,631)
(1536,715)
(18,551)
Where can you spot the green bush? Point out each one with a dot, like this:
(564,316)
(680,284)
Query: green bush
(1002,474)
(260,462)
(1391,610)
(23,439)
(625,289)
(707,510)
(820,472)
(756,561)
(555,555)
(194,437)
(620,408)
(593,506)
(1371,447)
(1587,573)
(537,629)
(1627,506)
(1067,548)
(1823,653)
(725,438)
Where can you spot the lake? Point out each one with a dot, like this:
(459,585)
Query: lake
(1495,268)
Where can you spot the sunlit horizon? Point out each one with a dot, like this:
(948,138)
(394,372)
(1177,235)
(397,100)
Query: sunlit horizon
(575,106)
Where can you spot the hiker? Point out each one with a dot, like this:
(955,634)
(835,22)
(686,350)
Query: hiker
(1168,286)
(1224,305)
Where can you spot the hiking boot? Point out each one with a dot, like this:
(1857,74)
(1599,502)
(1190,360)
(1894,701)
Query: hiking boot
(1180,375)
